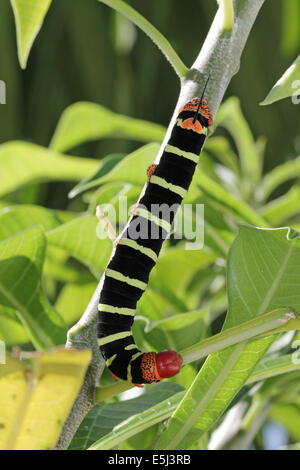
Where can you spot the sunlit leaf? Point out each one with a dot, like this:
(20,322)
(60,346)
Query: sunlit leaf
(85,121)
(262,276)
(79,238)
(21,261)
(288,85)
(22,163)
(29,17)
(153,408)
(36,400)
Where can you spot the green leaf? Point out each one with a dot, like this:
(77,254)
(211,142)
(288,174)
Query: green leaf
(280,174)
(85,121)
(262,276)
(231,117)
(283,208)
(111,193)
(73,299)
(21,261)
(103,419)
(288,416)
(273,366)
(221,149)
(133,168)
(139,421)
(16,219)
(288,85)
(289,35)
(22,163)
(177,331)
(29,17)
(79,238)
(106,165)
(228,203)
(35,401)
(177,280)
(11,330)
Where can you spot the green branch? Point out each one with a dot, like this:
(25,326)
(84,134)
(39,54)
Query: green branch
(228,14)
(248,330)
(153,33)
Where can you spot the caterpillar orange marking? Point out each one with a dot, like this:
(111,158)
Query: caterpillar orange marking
(151,169)
(190,124)
(204,108)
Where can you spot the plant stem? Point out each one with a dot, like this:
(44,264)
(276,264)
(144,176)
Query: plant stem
(228,14)
(245,331)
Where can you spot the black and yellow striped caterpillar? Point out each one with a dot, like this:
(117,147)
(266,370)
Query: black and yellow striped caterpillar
(127,273)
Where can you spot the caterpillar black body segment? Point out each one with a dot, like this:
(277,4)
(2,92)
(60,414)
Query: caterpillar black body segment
(128,271)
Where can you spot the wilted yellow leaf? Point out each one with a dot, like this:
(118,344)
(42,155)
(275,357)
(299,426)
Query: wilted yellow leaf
(36,397)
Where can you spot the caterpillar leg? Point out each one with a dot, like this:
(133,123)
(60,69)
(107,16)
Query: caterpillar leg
(114,376)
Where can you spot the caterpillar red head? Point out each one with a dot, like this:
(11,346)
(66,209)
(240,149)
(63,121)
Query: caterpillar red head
(162,365)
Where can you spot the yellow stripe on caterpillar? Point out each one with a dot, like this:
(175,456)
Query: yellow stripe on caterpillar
(128,280)
(119,310)
(133,244)
(171,187)
(114,337)
(181,153)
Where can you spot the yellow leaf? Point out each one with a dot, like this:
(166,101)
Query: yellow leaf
(35,399)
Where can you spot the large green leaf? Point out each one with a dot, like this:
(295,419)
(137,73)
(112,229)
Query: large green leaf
(231,117)
(11,330)
(18,218)
(21,261)
(73,299)
(189,262)
(22,163)
(177,331)
(289,34)
(37,397)
(221,198)
(105,418)
(263,268)
(283,208)
(133,168)
(106,165)
(29,17)
(85,121)
(79,238)
(280,174)
(288,416)
(273,366)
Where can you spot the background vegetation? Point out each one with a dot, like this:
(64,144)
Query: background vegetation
(50,259)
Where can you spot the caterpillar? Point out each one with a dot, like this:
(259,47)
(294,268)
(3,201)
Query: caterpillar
(136,253)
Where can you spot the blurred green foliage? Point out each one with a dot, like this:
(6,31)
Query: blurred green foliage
(49,251)
(81,54)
